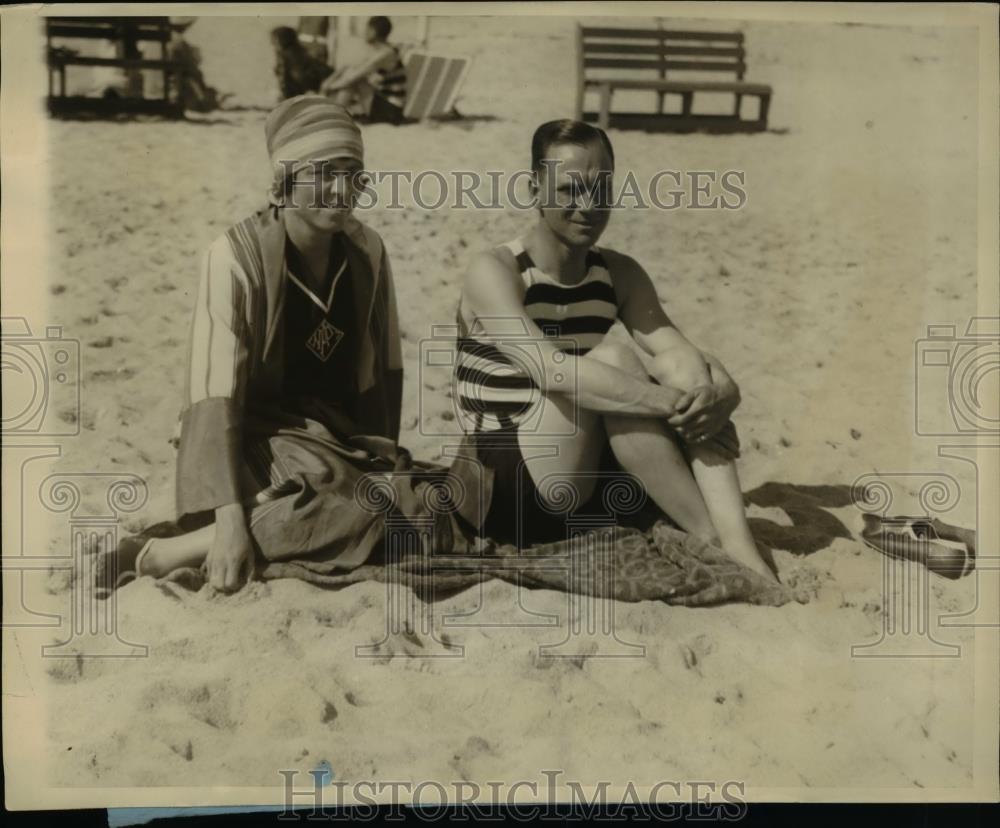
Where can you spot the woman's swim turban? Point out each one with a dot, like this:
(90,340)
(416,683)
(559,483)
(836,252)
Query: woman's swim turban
(310,128)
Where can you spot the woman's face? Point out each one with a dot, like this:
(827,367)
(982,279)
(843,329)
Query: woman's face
(323,195)
(574,192)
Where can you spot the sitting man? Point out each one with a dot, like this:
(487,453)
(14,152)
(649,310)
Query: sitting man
(575,403)
(294,379)
(375,87)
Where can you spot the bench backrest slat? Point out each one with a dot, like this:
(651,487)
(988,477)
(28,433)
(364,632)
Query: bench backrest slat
(605,48)
(694,65)
(105,28)
(621,63)
(660,34)
(659,49)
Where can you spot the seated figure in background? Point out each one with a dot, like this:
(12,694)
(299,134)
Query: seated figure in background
(297,71)
(190,88)
(375,86)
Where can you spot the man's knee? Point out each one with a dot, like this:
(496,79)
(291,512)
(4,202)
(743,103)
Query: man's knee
(679,369)
(620,356)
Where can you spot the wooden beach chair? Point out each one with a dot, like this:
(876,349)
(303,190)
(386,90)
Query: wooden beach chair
(432,84)
(649,60)
(126,33)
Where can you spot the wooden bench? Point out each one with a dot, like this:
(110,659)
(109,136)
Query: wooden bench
(642,59)
(126,33)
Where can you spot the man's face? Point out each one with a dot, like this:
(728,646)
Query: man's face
(323,194)
(370,35)
(574,192)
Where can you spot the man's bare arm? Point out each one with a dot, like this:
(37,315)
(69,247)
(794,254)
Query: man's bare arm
(641,311)
(492,291)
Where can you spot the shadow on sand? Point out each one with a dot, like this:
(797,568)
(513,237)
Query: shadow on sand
(813,527)
(455,119)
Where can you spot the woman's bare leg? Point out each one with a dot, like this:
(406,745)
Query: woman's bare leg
(167,554)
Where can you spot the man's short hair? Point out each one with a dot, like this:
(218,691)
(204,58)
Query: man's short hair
(566,131)
(381,26)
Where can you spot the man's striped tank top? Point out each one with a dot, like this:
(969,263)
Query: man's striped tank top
(493,392)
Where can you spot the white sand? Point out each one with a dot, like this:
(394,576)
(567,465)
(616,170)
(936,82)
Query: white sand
(859,231)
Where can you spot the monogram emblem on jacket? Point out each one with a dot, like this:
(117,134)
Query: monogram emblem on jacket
(324,340)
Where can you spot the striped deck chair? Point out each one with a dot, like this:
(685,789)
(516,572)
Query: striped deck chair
(432,83)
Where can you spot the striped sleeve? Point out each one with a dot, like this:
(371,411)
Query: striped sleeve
(219,342)
(393,344)
(391,347)
(210,450)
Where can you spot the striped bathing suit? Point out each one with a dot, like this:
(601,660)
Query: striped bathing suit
(391,83)
(492,390)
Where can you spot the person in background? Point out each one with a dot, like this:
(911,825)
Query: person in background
(375,86)
(316,36)
(297,71)
(190,88)
(114,82)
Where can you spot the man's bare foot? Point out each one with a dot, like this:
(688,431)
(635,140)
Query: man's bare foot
(758,560)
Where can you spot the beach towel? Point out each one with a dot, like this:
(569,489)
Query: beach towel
(627,564)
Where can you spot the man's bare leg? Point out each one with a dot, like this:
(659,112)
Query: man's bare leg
(720,486)
(560,448)
(647,448)
(356,98)
(717,479)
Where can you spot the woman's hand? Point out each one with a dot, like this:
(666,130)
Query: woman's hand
(230,559)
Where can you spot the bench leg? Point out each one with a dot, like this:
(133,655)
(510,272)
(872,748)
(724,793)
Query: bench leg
(686,98)
(604,115)
(662,96)
(737,105)
(580,90)
(765,104)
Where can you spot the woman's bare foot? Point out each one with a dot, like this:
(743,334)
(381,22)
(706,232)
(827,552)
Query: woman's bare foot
(114,568)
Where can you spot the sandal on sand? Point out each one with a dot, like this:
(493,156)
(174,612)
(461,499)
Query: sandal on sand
(115,569)
(913,539)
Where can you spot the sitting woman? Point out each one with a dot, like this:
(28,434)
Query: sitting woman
(294,379)
(298,72)
(375,87)
(576,402)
